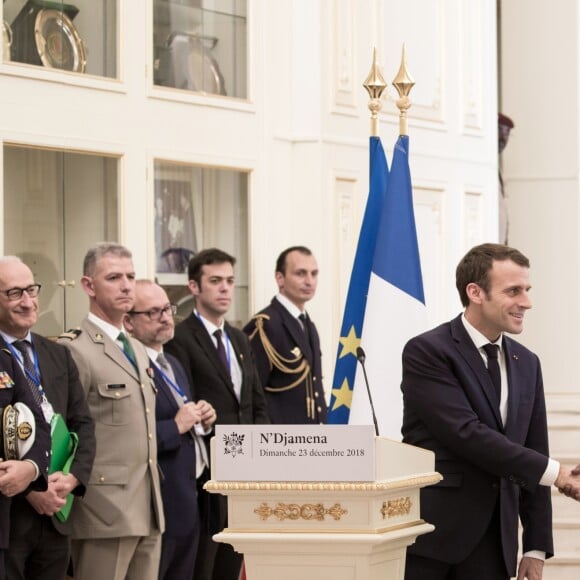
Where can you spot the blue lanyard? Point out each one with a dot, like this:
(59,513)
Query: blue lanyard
(34,377)
(171,384)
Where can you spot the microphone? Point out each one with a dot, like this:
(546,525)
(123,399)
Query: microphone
(361,357)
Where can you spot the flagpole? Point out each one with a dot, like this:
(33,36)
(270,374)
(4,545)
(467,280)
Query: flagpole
(403,82)
(375,84)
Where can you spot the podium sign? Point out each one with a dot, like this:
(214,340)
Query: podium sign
(294,453)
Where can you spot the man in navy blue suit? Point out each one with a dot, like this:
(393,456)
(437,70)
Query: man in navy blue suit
(475,397)
(180,425)
(40,544)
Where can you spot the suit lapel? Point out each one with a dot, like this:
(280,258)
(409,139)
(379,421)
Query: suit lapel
(513,375)
(111,349)
(48,370)
(473,358)
(163,387)
(205,341)
(238,353)
(294,329)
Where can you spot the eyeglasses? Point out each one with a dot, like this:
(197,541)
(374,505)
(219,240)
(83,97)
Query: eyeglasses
(157,313)
(16,293)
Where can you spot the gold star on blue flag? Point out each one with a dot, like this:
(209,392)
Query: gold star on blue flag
(354,310)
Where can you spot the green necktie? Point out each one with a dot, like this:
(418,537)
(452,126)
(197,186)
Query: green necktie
(127,348)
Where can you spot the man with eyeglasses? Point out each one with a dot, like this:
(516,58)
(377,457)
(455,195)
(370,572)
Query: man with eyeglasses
(39,543)
(117,528)
(220,361)
(29,472)
(180,425)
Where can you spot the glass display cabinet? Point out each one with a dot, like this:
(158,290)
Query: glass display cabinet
(79,36)
(198,207)
(201,46)
(57,204)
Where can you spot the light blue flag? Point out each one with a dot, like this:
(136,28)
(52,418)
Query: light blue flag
(354,310)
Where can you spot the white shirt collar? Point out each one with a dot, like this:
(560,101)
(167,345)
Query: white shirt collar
(479,339)
(290,306)
(109,329)
(9,339)
(210,326)
(152,353)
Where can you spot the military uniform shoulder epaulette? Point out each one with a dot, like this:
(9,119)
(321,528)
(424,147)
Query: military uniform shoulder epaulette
(71,334)
(261,317)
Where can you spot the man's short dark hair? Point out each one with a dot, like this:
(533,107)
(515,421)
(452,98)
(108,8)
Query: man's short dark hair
(205,258)
(281,261)
(476,264)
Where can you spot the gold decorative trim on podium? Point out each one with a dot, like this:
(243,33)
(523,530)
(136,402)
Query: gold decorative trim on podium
(396,507)
(294,511)
(419,481)
(328,530)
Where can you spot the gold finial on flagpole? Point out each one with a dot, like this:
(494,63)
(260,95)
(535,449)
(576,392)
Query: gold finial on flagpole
(403,82)
(375,84)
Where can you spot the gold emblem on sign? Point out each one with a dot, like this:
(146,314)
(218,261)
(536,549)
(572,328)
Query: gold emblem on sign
(396,507)
(293,511)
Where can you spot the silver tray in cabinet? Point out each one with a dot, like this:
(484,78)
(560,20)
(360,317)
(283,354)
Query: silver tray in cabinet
(58,42)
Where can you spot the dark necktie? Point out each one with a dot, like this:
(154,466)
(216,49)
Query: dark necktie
(127,348)
(30,371)
(221,349)
(492,351)
(304,319)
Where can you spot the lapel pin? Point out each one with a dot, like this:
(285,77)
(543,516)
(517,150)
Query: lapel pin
(515,356)
(150,372)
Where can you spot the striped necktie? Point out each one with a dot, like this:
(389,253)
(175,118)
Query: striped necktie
(23,347)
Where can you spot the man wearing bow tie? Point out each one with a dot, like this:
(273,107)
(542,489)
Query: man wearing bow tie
(220,361)
(286,344)
(475,397)
(117,528)
(181,425)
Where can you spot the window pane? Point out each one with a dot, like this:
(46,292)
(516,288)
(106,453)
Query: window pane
(201,46)
(79,37)
(56,205)
(195,208)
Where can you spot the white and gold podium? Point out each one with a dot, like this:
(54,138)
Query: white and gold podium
(331,530)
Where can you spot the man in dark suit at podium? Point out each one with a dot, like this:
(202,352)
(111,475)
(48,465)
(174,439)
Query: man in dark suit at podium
(181,423)
(220,361)
(475,397)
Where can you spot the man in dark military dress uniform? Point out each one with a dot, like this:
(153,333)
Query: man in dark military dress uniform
(286,344)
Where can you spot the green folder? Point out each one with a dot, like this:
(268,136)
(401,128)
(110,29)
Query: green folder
(64,447)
